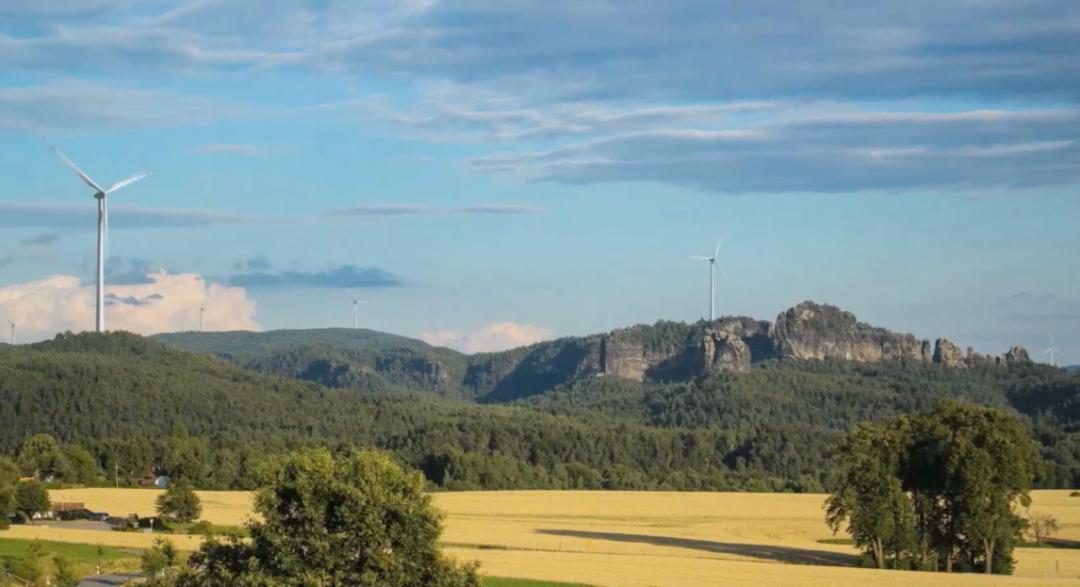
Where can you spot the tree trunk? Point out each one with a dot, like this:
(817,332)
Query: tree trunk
(948,562)
(988,548)
(879,552)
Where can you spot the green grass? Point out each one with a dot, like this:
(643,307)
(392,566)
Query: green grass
(216,530)
(505,582)
(12,548)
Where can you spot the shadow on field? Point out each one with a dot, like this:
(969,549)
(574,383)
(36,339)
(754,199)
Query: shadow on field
(786,554)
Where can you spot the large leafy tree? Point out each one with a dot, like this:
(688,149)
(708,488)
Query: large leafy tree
(179,502)
(870,498)
(31,497)
(944,483)
(359,520)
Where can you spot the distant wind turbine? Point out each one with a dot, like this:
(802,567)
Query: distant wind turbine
(713,267)
(356,309)
(202,312)
(103,227)
(1053,351)
(12,331)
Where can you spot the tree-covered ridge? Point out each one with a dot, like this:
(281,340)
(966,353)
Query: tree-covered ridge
(140,407)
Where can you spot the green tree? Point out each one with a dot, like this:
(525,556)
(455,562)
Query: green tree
(156,561)
(65,575)
(31,497)
(9,481)
(357,520)
(39,455)
(870,498)
(179,502)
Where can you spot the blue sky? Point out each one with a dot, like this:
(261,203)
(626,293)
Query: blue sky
(487,174)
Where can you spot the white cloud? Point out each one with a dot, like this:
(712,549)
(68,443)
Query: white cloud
(497,336)
(169,303)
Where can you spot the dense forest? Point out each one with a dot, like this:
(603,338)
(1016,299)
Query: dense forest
(139,407)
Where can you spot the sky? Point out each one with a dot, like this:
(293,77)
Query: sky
(490,174)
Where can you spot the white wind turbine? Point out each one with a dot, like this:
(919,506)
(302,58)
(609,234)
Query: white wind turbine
(202,313)
(103,228)
(1053,351)
(713,267)
(12,322)
(356,309)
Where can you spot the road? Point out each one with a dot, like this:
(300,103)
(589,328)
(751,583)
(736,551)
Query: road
(110,580)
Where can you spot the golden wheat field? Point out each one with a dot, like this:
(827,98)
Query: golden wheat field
(634,539)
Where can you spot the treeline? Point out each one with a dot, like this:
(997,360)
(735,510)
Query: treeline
(138,408)
(781,405)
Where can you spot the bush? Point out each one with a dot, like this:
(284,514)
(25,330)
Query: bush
(358,520)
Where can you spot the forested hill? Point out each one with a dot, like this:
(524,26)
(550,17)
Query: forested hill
(143,407)
(664,352)
(148,407)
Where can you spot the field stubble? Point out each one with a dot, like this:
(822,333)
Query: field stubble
(632,538)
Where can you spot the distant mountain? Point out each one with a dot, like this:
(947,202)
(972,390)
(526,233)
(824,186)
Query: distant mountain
(1072,368)
(662,352)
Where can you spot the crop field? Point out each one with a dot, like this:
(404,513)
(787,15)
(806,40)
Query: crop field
(633,539)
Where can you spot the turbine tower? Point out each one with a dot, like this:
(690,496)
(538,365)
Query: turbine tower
(102,228)
(1053,351)
(12,322)
(713,267)
(202,312)
(356,309)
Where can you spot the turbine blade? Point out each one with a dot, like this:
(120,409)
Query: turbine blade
(700,258)
(722,272)
(716,252)
(75,168)
(126,182)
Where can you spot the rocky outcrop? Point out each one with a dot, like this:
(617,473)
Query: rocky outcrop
(723,351)
(818,331)
(948,354)
(623,354)
(1017,354)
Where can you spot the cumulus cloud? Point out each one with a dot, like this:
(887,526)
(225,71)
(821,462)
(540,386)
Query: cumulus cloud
(497,336)
(168,303)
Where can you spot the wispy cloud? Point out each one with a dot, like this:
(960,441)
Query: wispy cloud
(57,215)
(343,276)
(245,150)
(69,107)
(43,240)
(404,209)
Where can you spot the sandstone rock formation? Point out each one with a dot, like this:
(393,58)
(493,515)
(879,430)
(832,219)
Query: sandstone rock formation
(948,354)
(818,331)
(724,351)
(1017,354)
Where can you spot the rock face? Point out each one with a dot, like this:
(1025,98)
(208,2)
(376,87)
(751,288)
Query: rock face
(670,351)
(816,331)
(724,351)
(1017,354)
(948,354)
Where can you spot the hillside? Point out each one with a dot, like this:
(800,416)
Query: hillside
(664,352)
(141,406)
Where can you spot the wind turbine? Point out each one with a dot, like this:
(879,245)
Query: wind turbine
(356,309)
(102,228)
(1053,351)
(202,312)
(713,266)
(12,322)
